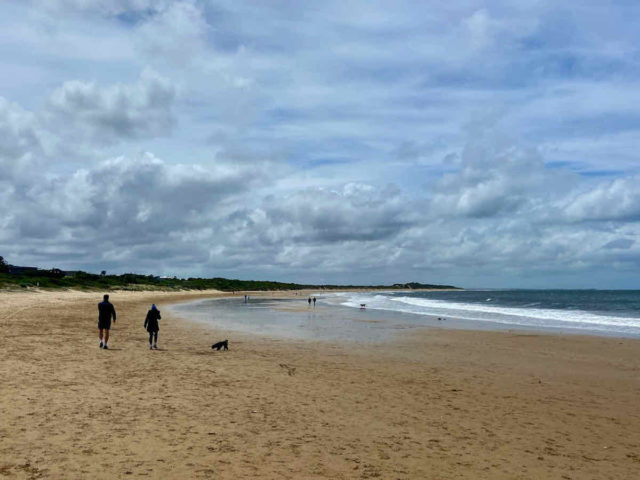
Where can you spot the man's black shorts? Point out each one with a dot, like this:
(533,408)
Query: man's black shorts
(104,324)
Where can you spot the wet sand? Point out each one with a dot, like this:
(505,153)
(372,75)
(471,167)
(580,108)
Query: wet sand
(437,404)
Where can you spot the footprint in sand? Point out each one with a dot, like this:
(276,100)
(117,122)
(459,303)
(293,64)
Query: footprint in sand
(290,370)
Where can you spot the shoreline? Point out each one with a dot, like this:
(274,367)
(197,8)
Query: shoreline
(439,404)
(393,320)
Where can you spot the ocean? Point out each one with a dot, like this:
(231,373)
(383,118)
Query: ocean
(338,315)
(604,312)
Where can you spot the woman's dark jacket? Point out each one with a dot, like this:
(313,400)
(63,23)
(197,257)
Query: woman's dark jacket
(151,322)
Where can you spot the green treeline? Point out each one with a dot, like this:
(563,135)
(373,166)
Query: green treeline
(81,280)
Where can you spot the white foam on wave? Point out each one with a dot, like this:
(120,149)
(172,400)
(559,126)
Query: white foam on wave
(571,316)
(534,317)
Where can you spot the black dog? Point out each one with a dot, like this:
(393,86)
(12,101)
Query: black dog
(223,344)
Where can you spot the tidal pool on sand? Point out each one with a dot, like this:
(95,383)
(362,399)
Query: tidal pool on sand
(293,318)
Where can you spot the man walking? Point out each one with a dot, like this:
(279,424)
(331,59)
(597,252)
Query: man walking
(105,312)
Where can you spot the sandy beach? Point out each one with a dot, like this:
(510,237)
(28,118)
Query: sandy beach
(438,404)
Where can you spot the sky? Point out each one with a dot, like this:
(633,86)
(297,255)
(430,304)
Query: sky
(479,144)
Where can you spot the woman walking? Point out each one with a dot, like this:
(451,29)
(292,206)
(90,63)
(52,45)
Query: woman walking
(151,324)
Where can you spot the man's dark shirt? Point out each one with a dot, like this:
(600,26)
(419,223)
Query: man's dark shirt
(105,311)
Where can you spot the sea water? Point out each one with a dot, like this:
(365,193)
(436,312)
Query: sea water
(339,316)
(604,312)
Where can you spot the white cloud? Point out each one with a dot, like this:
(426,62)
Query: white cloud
(18,131)
(121,204)
(494,178)
(333,136)
(617,199)
(176,33)
(354,212)
(103,115)
(478,27)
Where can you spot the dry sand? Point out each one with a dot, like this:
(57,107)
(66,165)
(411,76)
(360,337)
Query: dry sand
(441,404)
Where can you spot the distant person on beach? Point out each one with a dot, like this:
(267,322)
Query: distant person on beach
(314,302)
(105,312)
(151,324)
(309,301)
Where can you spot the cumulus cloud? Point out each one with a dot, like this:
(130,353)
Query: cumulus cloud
(121,205)
(176,32)
(19,143)
(345,144)
(107,114)
(499,210)
(353,212)
(617,199)
(494,178)
(17,130)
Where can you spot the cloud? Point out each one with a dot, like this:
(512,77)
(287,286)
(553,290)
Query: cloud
(621,243)
(121,206)
(403,140)
(352,213)
(18,133)
(494,178)
(478,27)
(498,209)
(617,199)
(113,7)
(102,115)
(21,156)
(176,32)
